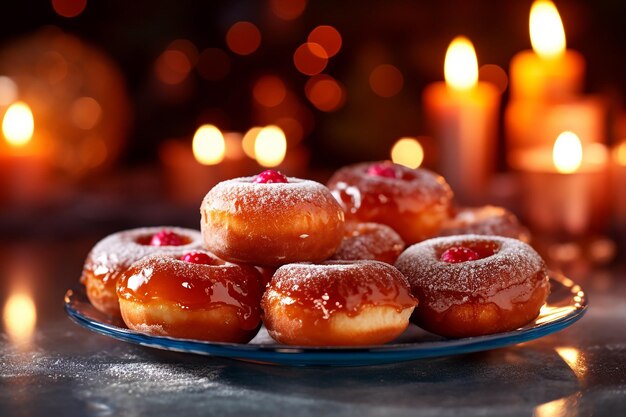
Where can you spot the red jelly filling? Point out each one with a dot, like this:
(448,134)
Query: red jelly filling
(458,254)
(270,176)
(167,238)
(382,170)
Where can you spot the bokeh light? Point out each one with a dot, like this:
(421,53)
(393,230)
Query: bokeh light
(408,152)
(18,124)
(208,145)
(495,75)
(243,38)
(172,67)
(213,64)
(85,112)
(69,8)
(310,58)
(270,146)
(386,80)
(249,139)
(328,38)
(20,317)
(186,47)
(325,93)
(269,91)
(288,9)
(293,129)
(8,91)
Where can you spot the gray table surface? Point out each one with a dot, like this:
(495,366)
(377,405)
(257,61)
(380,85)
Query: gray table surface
(69,371)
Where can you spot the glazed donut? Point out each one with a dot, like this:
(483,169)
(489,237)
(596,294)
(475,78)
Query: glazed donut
(413,202)
(191,296)
(113,254)
(271,220)
(485,220)
(474,285)
(351,303)
(369,241)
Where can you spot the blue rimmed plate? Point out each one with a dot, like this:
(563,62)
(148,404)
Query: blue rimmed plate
(566,304)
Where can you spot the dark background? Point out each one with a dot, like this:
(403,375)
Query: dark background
(412,35)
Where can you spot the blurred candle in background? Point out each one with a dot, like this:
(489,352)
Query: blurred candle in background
(564,189)
(548,72)
(545,88)
(463,117)
(23,164)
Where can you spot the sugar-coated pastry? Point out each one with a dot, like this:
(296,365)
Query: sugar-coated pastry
(271,220)
(113,254)
(414,202)
(191,295)
(485,220)
(369,241)
(473,285)
(337,303)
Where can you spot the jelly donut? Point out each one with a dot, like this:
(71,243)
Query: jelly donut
(485,220)
(351,303)
(271,220)
(414,202)
(191,295)
(369,241)
(474,285)
(113,254)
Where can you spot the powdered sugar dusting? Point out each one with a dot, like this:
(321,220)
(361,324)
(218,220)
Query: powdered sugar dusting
(118,251)
(486,220)
(231,195)
(421,186)
(340,285)
(513,264)
(373,241)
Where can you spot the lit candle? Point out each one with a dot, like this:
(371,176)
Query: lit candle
(23,163)
(564,188)
(549,72)
(545,86)
(463,114)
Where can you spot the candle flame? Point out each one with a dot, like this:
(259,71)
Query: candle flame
(208,145)
(18,124)
(461,65)
(407,152)
(20,317)
(547,35)
(567,153)
(270,146)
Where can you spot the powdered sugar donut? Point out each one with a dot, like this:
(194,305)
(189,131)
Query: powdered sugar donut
(271,220)
(113,254)
(369,241)
(485,220)
(191,295)
(473,285)
(414,202)
(337,303)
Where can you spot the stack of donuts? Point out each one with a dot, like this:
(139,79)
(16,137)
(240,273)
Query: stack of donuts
(323,265)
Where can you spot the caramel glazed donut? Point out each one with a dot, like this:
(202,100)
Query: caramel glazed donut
(191,295)
(271,220)
(473,285)
(115,253)
(337,303)
(413,202)
(485,220)
(369,241)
